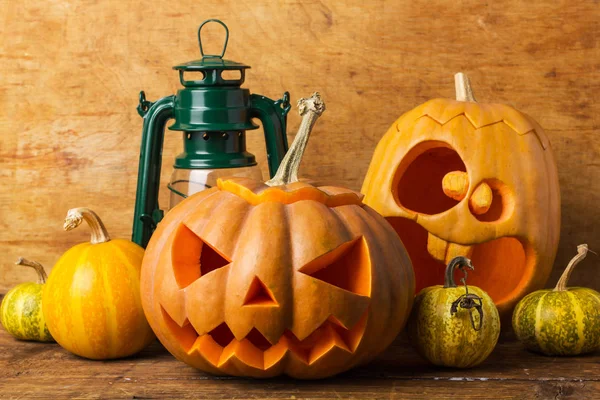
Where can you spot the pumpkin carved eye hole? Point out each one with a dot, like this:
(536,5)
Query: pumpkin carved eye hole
(347,267)
(418,180)
(193,258)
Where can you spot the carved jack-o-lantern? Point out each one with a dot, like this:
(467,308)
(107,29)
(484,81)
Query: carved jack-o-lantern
(478,180)
(287,278)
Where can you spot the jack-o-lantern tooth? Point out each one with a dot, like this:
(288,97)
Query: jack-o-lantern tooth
(206,346)
(481,199)
(445,251)
(328,340)
(185,333)
(243,351)
(437,247)
(167,291)
(333,358)
(455,185)
(205,303)
(315,308)
(276,353)
(456,250)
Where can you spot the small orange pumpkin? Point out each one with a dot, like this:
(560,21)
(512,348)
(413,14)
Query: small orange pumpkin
(461,178)
(256,279)
(91,301)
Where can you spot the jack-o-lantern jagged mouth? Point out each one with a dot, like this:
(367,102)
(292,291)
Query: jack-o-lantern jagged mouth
(219,345)
(506,259)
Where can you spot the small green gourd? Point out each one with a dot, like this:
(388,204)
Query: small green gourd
(21,309)
(454,326)
(561,321)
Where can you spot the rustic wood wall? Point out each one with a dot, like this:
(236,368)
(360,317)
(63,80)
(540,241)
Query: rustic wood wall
(70,72)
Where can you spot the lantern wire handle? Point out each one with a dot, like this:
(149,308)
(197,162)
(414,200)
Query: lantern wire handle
(200,38)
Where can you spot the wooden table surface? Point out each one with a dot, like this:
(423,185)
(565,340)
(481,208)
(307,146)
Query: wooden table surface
(45,371)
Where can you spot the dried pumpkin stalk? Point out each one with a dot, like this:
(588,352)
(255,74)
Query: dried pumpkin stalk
(311,109)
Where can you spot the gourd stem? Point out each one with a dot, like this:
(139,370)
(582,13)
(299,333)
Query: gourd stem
(582,250)
(460,262)
(39,268)
(464,92)
(76,215)
(311,109)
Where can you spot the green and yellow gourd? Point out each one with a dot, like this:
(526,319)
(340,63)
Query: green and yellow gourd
(21,309)
(561,321)
(454,326)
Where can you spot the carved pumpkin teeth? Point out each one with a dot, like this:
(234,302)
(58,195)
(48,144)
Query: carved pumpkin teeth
(207,346)
(444,251)
(327,341)
(437,247)
(254,349)
(455,250)
(276,352)
(432,254)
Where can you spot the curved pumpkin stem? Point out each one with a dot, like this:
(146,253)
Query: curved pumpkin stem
(311,109)
(464,92)
(460,262)
(76,215)
(39,268)
(582,250)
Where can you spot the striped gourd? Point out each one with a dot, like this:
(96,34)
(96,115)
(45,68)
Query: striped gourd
(21,310)
(91,301)
(454,326)
(561,321)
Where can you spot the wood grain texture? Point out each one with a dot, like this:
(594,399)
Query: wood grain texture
(41,371)
(71,72)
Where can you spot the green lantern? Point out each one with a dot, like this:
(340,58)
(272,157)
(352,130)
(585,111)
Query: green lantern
(213,113)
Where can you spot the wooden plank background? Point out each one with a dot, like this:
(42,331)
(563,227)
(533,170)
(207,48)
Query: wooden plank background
(70,73)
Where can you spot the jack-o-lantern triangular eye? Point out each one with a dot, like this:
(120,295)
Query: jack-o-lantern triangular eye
(348,267)
(192,257)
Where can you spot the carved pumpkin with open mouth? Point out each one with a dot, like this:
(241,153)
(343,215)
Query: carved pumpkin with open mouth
(461,178)
(256,279)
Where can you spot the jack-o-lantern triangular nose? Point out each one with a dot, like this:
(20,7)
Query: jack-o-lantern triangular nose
(259,295)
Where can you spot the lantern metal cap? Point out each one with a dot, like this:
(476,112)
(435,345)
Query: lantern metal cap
(211,61)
